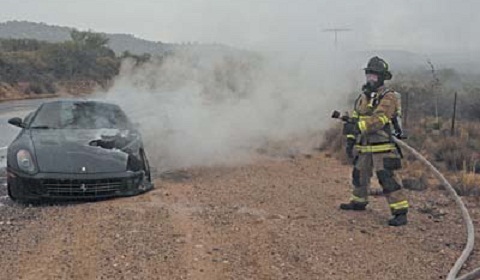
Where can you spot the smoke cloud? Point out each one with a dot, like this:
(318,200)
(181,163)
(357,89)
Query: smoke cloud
(220,106)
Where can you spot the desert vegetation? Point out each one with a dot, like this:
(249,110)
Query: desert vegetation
(30,67)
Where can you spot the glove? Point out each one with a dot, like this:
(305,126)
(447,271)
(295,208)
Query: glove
(349,147)
(349,128)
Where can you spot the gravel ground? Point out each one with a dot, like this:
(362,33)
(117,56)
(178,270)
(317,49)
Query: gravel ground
(272,219)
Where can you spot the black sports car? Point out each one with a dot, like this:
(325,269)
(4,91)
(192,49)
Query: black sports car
(76,149)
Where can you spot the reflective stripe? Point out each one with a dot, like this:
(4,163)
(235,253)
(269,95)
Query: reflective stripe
(362,125)
(376,148)
(358,199)
(354,114)
(384,119)
(399,205)
(350,136)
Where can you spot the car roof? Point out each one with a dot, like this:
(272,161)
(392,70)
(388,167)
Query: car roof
(72,101)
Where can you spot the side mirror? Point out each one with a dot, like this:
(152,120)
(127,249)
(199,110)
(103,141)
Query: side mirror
(16,122)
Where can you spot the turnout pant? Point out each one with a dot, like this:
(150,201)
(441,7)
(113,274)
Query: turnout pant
(384,165)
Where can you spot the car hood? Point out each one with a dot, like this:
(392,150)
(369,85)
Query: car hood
(68,151)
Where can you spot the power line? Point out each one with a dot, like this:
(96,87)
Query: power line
(335,31)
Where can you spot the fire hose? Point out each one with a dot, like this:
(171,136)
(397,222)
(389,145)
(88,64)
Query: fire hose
(452,275)
(475,274)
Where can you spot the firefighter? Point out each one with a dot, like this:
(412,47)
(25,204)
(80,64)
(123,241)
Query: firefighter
(369,137)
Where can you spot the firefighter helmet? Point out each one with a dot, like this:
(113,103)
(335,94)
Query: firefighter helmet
(378,66)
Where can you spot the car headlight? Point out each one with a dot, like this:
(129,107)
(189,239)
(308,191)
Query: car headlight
(25,161)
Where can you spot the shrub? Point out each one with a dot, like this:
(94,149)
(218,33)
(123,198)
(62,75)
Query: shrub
(467,184)
(85,57)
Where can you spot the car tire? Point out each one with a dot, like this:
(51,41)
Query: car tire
(18,198)
(146,166)
(10,194)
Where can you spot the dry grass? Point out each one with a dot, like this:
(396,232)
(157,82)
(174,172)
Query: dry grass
(460,152)
(457,154)
(468,184)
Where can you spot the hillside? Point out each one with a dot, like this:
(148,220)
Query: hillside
(55,34)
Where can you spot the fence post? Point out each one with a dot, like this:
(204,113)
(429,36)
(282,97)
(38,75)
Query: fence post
(452,132)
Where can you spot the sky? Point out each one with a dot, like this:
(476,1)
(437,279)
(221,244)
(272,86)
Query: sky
(426,26)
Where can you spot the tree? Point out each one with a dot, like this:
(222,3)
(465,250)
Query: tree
(88,39)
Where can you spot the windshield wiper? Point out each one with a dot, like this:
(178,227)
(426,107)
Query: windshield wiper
(42,127)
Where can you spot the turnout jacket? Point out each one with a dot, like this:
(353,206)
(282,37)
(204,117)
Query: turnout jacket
(373,115)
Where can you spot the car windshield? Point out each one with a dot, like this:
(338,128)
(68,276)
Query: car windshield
(79,115)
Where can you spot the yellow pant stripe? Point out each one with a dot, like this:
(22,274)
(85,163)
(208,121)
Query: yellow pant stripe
(350,136)
(399,205)
(376,148)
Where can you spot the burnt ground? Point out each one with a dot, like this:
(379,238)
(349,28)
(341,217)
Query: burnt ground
(272,219)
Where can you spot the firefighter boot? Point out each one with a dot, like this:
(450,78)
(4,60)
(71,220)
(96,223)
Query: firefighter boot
(398,220)
(352,205)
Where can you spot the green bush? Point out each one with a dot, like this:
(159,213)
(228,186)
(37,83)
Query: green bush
(85,57)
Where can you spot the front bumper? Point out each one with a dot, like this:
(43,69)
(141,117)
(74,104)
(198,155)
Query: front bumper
(76,186)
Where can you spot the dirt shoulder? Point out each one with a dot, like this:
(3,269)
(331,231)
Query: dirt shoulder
(274,219)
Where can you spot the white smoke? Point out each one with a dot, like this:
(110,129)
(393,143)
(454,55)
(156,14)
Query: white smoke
(218,106)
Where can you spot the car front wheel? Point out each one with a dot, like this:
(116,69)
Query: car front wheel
(146,166)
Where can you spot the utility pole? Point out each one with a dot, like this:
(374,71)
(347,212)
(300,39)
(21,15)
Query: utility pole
(335,31)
